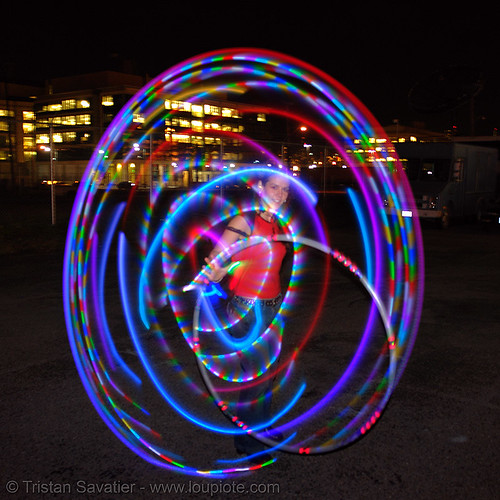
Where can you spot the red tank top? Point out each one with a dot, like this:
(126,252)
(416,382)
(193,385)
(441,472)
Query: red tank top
(257,274)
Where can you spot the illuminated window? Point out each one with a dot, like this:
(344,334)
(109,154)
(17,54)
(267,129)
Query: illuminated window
(66,120)
(261,117)
(178,105)
(107,100)
(131,172)
(197,125)
(138,118)
(43,139)
(197,110)
(71,120)
(28,142)
(180,138)
(83,103)
(28,115)
(184,123)
(212,110)
(68,104)
(28,128)
(69,137)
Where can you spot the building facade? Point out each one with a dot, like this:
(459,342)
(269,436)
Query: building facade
(197,142)
(48,134)
(71,116)
(17,134)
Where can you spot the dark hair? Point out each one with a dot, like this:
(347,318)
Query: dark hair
(271,172)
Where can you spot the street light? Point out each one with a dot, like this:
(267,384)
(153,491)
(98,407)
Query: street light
(50,149)
(52,187)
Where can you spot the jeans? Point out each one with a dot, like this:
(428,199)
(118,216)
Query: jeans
(254,401)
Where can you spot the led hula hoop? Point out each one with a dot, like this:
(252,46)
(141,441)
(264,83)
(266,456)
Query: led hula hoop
(190,369)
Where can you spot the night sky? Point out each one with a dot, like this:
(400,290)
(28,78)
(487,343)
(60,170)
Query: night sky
(379,52)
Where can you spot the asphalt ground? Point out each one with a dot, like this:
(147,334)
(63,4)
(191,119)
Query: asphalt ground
(438,437)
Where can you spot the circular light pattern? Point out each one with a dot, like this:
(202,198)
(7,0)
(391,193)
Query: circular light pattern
(155,351)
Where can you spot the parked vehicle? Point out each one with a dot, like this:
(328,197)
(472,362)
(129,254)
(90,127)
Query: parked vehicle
(62,188)
(448,180)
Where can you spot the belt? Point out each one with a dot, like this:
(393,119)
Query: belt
(264,302)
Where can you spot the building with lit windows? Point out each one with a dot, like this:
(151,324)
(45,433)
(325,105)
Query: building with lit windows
(74,113)
(71,116)
(51,132)
(17,134)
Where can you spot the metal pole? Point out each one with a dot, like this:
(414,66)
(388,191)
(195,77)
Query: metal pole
(52,186)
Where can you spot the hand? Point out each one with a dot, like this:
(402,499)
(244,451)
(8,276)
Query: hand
(213,272)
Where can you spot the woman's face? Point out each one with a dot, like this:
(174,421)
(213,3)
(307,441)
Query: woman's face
(275,191)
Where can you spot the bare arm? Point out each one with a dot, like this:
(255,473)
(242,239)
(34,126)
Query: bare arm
(215,272)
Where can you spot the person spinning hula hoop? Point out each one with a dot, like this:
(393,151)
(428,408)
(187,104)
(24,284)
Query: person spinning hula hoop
(256,286)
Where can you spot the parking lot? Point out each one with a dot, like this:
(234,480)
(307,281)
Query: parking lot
(438,438)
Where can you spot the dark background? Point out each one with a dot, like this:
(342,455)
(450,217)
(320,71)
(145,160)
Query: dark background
(378,51)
